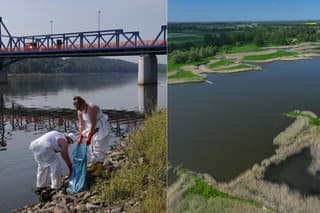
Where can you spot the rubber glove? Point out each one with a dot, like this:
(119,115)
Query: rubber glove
(80,139)
(88,141)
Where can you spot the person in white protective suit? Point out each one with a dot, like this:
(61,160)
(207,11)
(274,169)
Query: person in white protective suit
(45,149)
(93,125)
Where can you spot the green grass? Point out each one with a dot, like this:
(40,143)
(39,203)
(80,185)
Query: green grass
(183,74)
(313,121)
(277,54)
(205,190)
(245,48)
(220,63)
(173,67)
(145,181)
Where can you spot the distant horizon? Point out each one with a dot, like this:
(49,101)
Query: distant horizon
(244,21)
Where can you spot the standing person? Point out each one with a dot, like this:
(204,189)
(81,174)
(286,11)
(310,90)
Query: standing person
(94,125)
(45,149)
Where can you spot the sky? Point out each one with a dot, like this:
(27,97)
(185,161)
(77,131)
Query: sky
(32,17)
(242,10)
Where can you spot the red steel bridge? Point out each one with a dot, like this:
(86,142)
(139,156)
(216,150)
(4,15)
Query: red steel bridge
(115,42)
(91,43)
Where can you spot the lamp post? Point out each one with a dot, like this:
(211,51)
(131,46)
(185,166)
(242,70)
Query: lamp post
(99,13)
(51,24)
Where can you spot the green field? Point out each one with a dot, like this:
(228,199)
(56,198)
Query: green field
(182,74)
(277,54)
(245,48)
(220,63)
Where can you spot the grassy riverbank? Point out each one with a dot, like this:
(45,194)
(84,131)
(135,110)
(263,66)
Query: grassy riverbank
(142,178)
(191,193)
(181,76)
(238,67)
(274,55)
(312,120)
(230,62)
(220,63)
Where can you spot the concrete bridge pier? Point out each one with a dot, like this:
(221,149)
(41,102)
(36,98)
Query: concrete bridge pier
(148,69)
(3,74)
(147,96)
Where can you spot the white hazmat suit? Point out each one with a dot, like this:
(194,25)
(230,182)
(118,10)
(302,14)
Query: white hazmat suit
(45,151)
(100,140)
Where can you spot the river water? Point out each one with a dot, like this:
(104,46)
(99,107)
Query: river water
(17,166)
(225,127)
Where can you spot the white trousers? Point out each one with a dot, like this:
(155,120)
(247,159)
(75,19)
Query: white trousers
(54,169)
(98,149)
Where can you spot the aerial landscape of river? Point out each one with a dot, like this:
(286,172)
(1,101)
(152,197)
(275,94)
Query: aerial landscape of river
(224,128)
(117,91)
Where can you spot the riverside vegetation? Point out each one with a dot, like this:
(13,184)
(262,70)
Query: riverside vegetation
(224,47)
(134,179)
(252,191)
(84,65)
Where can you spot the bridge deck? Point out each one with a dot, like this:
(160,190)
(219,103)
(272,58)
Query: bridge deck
(92,43)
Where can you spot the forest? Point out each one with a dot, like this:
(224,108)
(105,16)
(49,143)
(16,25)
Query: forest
(187,40)
(71,65)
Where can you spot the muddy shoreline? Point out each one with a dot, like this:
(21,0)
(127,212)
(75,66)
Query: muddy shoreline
(251,184)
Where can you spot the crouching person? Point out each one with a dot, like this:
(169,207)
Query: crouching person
(45,149)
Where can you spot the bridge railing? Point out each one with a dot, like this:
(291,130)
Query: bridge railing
(80,40)
(147,43)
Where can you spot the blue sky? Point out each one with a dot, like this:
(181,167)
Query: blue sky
(242,10)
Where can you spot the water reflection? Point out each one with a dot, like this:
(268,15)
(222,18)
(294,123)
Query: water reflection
(109,91)
(48,84)
(229,125)
(294,173)
(147,98)
(40,121)
(3,142)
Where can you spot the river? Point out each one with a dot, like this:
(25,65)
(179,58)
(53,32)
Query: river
(224,128)
(17,166)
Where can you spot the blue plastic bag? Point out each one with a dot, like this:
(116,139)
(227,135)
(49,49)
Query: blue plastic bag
(77,181)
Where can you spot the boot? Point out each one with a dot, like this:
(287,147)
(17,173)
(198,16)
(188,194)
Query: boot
(92,167)
(98,170)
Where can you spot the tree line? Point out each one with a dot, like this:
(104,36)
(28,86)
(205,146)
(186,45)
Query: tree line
(71,65)
(233,35)
(194,54)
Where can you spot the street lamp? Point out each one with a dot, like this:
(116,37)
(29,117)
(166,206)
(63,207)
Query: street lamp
(51,24)
(99,13)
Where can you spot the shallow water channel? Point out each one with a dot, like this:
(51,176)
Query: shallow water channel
(225,127)
(17,166)
(294,173)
